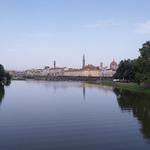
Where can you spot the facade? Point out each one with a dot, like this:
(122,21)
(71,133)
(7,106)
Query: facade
(82,73)
(33,72)
(16,73)
(93,71)
(56,72)
(107,73)
(45,72)
(86,71)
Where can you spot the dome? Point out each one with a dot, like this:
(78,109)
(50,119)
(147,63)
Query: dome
(113,65)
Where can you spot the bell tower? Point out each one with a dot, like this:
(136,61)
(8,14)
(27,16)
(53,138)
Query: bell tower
(83,62)
(54,64)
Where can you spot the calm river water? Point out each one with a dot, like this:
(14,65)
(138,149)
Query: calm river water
(38,115)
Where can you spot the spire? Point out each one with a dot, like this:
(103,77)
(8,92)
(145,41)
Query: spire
(83,63)
(101,65)
(54,64)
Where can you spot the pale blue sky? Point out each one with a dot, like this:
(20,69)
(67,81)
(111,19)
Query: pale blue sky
(35,32)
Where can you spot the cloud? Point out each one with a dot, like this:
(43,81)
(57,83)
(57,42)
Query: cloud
(104,23)
(143,28)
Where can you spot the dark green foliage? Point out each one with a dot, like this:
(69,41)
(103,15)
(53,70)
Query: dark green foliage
(142,66)
(136,70)
(5,77)
(145,50)
(2,73)
(126,70)
(5,80)
(2,92)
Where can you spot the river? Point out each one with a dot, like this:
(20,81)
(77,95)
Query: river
(41,115)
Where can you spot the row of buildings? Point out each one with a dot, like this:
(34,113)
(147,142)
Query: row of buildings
(86,70)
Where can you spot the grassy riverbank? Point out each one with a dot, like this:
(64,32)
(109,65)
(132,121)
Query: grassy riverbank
(126,86)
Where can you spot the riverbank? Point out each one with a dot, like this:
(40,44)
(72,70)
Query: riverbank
(59,78)
(126,86)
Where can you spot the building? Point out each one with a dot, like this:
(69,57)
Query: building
(82,73)
(113,65)
(86,70)
(93,71)
(83,62)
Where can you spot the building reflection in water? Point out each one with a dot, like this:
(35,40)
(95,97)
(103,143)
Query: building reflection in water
(60,85)
(85,85)
(84,92)
(139,105)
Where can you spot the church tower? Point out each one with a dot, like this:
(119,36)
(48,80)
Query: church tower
(54,64)
(83,62)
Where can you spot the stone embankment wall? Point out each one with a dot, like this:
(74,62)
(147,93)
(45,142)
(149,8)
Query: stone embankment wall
(68,78)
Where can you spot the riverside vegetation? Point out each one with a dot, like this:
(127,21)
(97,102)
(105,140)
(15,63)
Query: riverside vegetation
(137,70)
(133,74)
(5,77)
(5,80)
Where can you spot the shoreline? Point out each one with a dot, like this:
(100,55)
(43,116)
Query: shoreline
(133,87)
(61,78)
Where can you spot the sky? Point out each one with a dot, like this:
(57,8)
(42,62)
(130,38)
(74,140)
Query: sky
(33,33)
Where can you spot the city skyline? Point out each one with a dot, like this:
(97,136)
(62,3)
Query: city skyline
(84,63)
(35,33)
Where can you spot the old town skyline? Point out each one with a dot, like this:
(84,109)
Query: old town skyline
(82,64)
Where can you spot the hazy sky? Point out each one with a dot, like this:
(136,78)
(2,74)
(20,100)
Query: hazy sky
(35,32)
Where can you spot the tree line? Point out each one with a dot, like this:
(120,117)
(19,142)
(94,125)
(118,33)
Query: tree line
(136,70)
(5,77)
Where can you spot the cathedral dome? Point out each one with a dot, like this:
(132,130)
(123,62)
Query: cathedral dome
(113,65)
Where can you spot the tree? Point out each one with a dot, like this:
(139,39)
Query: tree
(126,70)
(2,73)
(5,77)
(145,51)
(142,65)
(137,70)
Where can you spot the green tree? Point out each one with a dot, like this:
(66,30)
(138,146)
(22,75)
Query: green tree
(5,77)
(142,65)
(137,70)
(145,51)
(126,70)
(2,73)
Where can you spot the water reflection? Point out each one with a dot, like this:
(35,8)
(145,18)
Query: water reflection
(2,89)
(8,82)
(53,115)
(84,86)
(139,105)
(84,92)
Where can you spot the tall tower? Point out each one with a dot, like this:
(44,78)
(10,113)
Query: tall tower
(83,62)
(101,65)
(54,64)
